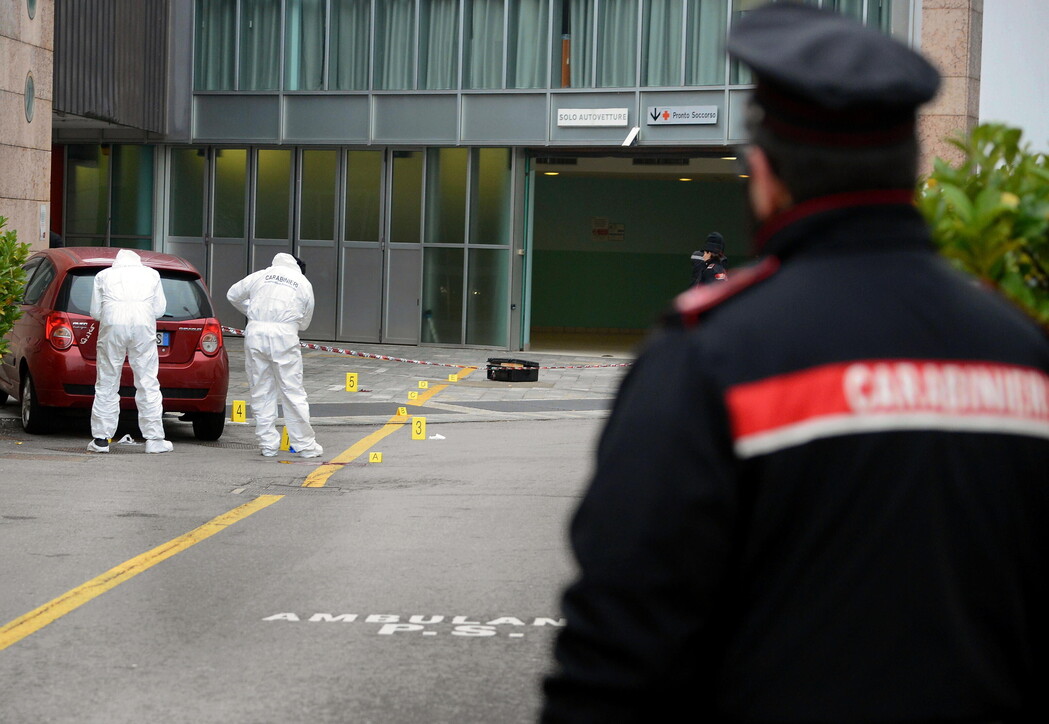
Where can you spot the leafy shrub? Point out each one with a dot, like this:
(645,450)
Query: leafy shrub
(990,214)
(12,256)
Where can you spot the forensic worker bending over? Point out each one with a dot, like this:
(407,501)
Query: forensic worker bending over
(126,299)
(822,493)
(278,302)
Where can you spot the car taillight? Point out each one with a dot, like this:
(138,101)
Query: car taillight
(210,338)
(58,331)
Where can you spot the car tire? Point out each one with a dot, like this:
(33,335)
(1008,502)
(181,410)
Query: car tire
(209,425)
(36,419)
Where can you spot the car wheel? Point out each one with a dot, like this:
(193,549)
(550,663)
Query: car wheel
(36,419)
(209,425)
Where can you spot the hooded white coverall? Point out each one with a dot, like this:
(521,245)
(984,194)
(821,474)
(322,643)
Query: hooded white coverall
(127,299)
(278,302)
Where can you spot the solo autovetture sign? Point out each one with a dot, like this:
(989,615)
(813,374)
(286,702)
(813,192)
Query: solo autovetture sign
(609,117)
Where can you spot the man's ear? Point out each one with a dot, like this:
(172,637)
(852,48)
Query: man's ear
(767,192)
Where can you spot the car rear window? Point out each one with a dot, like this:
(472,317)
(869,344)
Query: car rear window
(184,293)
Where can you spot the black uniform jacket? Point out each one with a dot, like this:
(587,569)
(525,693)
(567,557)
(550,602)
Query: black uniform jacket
(705,272)
(822,495)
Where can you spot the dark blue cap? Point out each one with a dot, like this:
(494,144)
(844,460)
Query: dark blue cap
(825,79)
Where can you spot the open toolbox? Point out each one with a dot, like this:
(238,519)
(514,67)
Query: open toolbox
(512,370)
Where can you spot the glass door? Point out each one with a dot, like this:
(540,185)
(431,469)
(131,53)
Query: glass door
(380,247)
(403,250)
(360,248)
(317,189)
(207,218)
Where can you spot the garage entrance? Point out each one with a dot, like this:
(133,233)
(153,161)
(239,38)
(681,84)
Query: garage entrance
(612,237)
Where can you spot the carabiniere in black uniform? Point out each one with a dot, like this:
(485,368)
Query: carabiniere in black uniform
(814,398)
(798,511)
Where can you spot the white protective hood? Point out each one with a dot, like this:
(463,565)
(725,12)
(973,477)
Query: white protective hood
(126,257)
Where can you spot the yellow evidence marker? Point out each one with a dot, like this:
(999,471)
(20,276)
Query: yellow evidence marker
(351,381)
(418,428)
(412,394)
(402,412)
(239,411)
(453,377)
(375,457)
(423,384)
(284,444)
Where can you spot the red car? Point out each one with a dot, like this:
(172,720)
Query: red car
(51,363)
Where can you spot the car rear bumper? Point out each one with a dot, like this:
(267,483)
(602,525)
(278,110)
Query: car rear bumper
(199,385)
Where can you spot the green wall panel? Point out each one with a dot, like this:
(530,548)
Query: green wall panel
(580,280)
(620,291)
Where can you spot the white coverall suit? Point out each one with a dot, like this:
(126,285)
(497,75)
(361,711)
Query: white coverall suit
(278,302)
(127,299)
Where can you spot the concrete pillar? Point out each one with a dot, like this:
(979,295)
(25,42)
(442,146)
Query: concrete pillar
(951,37)
(27,48)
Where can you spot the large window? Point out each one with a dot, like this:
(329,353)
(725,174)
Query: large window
(484,44)
(260,45)
(186,192)
(705,42)
(350,29)
(617,44)
(216,41)
(466,291)
(304,45)
(317,195)
(347,45)
(395,45)
(407,192)
(231,172)
(273,194)
(439,44)
(446,195)
(109,195)
(363,195)
(528,55)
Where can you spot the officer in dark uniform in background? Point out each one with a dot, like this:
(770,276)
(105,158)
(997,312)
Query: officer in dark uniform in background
(708,262)
(823,492)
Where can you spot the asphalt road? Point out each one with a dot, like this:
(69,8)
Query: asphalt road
(209,585)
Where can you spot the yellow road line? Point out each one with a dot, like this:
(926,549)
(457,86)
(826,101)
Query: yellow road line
(18,629)
(320,476)
(421,399)
(51,611)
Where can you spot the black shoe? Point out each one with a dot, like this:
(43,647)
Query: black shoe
(98,445)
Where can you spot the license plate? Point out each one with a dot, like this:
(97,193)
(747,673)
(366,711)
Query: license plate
(163,339)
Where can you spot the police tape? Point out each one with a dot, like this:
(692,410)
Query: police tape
(388,358)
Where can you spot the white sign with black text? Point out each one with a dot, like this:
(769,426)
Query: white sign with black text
(609,117)
(678,115)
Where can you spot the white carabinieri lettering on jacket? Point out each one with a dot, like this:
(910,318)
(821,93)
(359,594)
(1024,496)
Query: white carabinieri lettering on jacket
(279,279)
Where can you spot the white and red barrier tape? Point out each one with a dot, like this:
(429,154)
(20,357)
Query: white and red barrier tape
(387,358)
